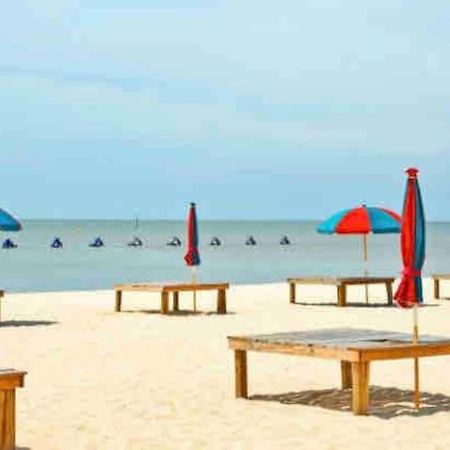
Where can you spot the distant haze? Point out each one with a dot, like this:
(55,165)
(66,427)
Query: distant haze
(253,109)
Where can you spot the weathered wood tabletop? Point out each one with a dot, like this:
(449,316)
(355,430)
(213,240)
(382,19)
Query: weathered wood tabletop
(341,284)
(165,288)
(355,348)
(10,379)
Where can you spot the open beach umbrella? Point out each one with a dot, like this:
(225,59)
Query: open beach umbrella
(8,222)
(409,293)
(192,256)
(362,220)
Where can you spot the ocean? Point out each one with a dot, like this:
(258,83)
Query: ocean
(33,266)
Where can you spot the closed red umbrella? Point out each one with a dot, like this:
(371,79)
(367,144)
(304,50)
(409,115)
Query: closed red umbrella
(192,257)
(410,292)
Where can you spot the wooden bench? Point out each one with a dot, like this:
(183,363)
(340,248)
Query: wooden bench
(10,379)
(437,278)
(341,284)
(355,349)
(164,289)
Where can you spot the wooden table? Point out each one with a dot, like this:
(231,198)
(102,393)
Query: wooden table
(341,284)
(10,379)
(175,288)
(354,348)
(437,278)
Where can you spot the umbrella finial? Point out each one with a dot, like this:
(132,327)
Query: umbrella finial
(412,172)
(192,203)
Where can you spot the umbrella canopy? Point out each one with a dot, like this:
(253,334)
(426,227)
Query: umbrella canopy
(362,220)
(9,222)
(412,240)
(192,256)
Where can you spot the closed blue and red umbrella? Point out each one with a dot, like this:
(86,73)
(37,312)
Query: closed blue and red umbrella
(192,256)
(409,292)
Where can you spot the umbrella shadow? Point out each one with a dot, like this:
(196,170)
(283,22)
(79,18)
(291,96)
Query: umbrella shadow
(26,323)
(385,402)
(181,312)
(358,305)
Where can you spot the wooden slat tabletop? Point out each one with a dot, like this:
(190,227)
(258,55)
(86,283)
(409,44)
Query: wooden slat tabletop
(343,338)
(340,280)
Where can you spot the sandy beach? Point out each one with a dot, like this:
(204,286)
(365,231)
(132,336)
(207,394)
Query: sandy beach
(138,380)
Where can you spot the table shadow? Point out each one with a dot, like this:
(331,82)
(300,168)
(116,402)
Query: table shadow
(26,323)
(385,402)
(181,312)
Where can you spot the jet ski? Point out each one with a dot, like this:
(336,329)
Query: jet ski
(8,243)
(174,242)
(285,240)
(215,242)
(56,243)
(135,242)
(251,241)
(97,243)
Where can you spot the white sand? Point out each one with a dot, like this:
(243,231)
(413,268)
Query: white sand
(138,380)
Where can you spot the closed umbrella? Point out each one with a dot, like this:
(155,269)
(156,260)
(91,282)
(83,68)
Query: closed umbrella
(362,220)
(409,293)
(192,257)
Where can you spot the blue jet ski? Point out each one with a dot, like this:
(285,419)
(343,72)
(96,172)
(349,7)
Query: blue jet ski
(97,243)
(8,243)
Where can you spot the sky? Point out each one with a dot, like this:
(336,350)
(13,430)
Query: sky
(254,109)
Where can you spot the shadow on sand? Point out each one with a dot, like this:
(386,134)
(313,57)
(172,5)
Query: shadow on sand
(385,402)
(26,323)
(356,304)
(181,312)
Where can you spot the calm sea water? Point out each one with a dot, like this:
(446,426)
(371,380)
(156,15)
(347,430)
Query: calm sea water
(33,266)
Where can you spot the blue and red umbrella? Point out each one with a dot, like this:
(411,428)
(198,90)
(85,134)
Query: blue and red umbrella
(409,292)
(192,256)
(362,220)
(8,222)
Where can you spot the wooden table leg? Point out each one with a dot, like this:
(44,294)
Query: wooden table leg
(292,292)
(437,293)
(8,419)
(240,365)
(346,374)
(164,302)
(221,301)
(390,297)
(342,295)
(360,394)
(176,304)
(118,300)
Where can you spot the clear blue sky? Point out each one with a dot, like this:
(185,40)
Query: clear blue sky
(255,109)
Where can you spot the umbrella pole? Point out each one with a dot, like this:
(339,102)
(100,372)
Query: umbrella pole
(416,360)
(366,258)
(194,292)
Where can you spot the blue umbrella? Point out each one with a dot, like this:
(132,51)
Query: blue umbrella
(9,222)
